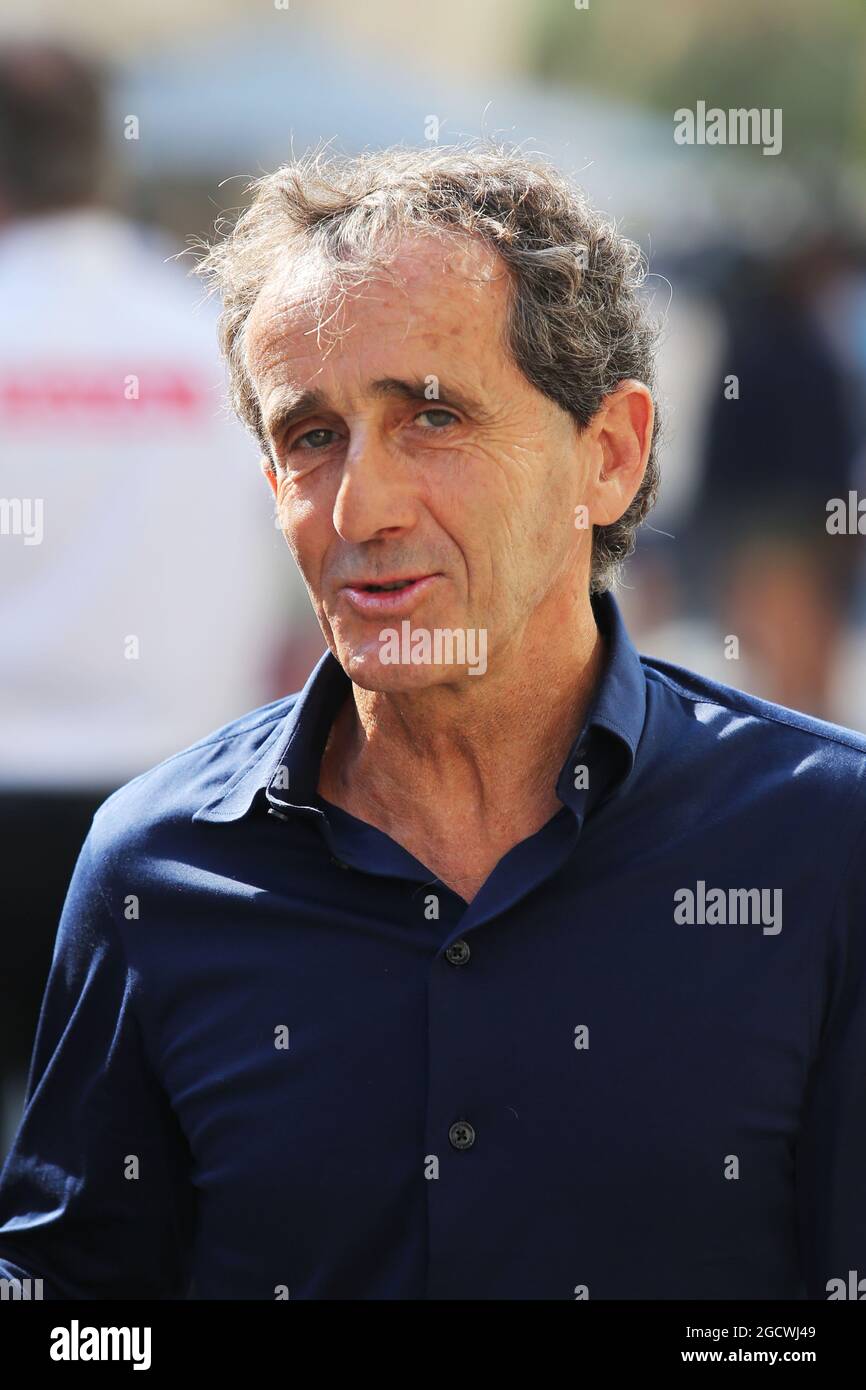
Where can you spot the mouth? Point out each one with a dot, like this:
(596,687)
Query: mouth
(387,588)
(389,595)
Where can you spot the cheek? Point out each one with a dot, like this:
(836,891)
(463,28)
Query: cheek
(550,514)
(307,529)
(532,532)
(482,511)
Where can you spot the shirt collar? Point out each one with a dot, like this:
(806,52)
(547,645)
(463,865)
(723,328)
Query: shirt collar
(285,769)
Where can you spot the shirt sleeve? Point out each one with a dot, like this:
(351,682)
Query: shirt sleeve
(95,1195)
(831,1153)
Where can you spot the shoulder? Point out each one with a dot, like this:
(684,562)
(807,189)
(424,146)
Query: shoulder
(166,797)
(750,735)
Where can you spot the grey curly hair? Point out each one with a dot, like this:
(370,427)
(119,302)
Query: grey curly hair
(577,322)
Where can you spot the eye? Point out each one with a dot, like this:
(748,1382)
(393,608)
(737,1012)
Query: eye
(437,424)
(313,439)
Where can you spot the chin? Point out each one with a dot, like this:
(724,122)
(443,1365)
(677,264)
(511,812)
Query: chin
(365,669)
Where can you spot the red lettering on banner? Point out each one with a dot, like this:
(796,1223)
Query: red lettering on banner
(83,393)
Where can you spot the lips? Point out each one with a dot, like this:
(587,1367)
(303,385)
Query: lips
(394,594)
(388,586)
(385,581)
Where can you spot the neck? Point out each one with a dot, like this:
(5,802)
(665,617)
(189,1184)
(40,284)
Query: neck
(493,743)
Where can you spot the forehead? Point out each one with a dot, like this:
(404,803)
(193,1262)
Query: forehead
(434,293)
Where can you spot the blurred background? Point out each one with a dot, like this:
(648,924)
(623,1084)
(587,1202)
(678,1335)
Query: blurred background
(126,130)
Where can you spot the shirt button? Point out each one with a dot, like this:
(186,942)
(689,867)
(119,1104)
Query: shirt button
(461,1134)
(458,952)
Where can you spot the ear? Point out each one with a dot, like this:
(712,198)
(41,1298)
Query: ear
(622,431)
(269,471)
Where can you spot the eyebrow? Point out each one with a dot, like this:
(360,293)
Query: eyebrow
(295,406)
(417,390)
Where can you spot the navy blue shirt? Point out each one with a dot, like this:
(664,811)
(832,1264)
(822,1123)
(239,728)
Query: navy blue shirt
(278,1058)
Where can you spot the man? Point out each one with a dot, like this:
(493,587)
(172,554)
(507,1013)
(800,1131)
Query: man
(110,418)
(499,963)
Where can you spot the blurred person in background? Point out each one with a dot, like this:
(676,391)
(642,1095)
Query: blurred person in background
(781,442)
(123,482)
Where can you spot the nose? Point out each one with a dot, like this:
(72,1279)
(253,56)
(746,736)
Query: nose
(375,496)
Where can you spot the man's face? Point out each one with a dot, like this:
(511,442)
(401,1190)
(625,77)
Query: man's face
(425,455)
